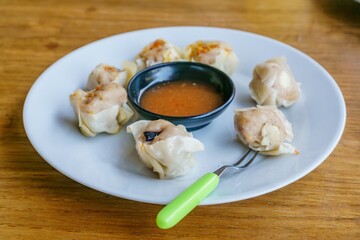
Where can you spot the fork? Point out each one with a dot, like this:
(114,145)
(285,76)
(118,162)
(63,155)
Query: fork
(186,201)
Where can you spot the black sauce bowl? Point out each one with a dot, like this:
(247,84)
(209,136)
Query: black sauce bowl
(173,71)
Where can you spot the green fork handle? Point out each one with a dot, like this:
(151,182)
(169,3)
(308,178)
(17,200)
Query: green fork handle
(186,201)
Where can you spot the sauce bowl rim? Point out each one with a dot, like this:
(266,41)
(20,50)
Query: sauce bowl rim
(136,103)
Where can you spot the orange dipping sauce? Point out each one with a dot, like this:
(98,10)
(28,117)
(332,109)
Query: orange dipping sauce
(181,98)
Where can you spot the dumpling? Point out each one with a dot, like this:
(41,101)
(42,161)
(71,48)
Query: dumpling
(274,84)
(215,53)
(164,147)
(158,51)
(264,129)
(103,109)
(104,73)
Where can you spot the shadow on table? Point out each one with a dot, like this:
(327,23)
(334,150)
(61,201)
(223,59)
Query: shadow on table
(344,10)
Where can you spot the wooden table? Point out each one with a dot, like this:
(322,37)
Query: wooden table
(38,202)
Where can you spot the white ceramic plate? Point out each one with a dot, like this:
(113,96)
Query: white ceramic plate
(109,163)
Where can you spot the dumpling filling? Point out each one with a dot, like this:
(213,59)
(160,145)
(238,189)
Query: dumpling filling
(215,53)
(264,129)
(103,109)
(274,84)
(158,51)
(164,147)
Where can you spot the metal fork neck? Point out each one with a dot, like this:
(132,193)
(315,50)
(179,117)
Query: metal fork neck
(221,170)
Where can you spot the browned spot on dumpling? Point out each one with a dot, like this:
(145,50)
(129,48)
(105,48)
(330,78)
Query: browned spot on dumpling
(110,68)
(205,47)
(102,97)
(157,43)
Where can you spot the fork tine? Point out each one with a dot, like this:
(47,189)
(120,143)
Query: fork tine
(250,161)
(243,157)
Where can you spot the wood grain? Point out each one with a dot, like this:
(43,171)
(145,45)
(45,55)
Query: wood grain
(37,202)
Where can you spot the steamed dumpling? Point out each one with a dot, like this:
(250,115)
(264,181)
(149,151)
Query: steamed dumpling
(158,51)
(164,147)
(104,74)
(215,53)
(103,109)
(264,129)
(274,84)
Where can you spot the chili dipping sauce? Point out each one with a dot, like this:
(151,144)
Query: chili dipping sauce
(181,98)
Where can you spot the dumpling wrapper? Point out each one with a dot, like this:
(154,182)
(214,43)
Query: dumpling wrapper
(104,74)
(264,129)
(158,51)
(103,109)
(214,53)
(170,153)
(274,84)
